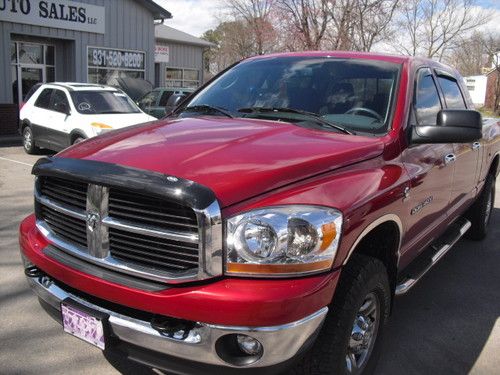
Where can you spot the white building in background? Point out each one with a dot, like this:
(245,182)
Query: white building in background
(477,89)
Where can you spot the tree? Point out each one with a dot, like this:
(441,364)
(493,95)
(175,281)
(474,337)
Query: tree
(256,14)
(306,21)
(231,44)
(374,20)
(491,44)
(470,56)
(359,24)
(434,27)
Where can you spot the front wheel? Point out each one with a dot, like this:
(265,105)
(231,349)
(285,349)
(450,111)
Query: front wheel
(349,341)
(29,141)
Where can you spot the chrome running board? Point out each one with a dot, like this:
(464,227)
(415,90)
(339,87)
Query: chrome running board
(420,266)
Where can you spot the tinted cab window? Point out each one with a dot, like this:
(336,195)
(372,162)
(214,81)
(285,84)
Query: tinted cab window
(452,94)
(427,103)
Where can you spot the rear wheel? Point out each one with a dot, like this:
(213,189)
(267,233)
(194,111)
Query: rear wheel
(349,341)
(29,141)
(78,140)
(480,212)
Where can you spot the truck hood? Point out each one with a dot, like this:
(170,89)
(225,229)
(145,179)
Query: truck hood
(237,158)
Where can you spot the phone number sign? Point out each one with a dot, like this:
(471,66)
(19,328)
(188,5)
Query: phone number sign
(114,58)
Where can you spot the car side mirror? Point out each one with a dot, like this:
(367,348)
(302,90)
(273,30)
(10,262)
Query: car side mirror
(452,126)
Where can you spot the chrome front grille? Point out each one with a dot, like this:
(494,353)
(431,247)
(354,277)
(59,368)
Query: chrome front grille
(152,251)
(129,231)
(64,226)
(63,191)
(140,208)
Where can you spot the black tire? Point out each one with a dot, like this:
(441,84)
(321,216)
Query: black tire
(361,277)
(479,213)
(78,139)
(29,141)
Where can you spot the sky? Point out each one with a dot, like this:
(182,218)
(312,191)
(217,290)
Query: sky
(197,16)
(192,16)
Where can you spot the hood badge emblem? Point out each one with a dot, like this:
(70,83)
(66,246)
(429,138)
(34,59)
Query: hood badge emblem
(92,220)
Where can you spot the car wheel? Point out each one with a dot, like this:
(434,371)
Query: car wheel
(78,140)
(349,341)
(480,212)
(29,141)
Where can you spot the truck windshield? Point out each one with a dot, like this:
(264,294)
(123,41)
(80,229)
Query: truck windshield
(354,94)
(103,102)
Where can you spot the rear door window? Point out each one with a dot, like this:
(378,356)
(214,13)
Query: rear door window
(452,94)
(427,102)
(43,100)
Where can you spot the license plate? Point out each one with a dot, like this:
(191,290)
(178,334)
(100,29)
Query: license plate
(83,325)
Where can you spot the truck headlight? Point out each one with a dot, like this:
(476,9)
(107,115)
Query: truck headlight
(283,241)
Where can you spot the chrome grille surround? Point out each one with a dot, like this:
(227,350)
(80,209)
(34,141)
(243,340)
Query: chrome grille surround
(98,222)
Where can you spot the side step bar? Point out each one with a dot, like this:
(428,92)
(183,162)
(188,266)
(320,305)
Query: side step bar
(430,257)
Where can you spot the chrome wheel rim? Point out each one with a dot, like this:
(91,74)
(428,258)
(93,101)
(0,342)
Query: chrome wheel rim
(489,206)
(27,139)
(363,334)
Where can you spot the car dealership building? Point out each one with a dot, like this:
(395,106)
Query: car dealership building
(93,41)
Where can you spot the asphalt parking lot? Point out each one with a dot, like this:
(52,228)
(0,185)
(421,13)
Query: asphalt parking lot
(448,324)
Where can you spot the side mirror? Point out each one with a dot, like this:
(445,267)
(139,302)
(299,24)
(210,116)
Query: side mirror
(452,126)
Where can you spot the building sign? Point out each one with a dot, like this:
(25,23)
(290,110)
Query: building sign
(99,57)
(61,14)
(162,54)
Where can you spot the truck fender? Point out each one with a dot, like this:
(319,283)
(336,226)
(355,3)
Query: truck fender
(374,224)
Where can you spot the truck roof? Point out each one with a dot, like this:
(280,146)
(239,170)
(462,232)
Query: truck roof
(399,59)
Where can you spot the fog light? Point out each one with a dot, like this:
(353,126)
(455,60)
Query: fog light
(249,345)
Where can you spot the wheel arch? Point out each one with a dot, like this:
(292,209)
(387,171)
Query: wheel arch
(24,123)
(75,134)
(381,239)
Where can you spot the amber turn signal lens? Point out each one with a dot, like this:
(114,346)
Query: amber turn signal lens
(249,268)
(329,234)
(100,125)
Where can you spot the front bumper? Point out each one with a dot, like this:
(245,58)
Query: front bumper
(281,343)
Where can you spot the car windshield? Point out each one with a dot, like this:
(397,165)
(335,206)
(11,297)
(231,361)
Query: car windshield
(354,94)
(103,102)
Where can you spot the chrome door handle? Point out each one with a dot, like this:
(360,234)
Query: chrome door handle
(450,158)
(476,146)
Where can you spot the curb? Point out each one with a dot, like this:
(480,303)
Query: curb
(11,140)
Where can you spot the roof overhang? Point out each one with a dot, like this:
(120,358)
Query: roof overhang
(159,13)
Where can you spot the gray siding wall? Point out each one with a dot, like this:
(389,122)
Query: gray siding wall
(128,26)
(182,56)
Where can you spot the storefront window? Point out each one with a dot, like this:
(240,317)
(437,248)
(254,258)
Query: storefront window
(176,77)
(32,63)
(30,53)
(13,53)
(106,66)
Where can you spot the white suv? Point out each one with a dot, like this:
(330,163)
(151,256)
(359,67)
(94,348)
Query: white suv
(58,115)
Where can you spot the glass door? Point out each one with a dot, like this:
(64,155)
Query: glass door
(32,63)
(29,78)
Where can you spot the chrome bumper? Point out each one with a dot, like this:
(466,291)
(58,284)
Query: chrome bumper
(280,343)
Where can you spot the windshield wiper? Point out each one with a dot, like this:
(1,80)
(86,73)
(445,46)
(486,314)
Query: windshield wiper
(315,116)
(207,107)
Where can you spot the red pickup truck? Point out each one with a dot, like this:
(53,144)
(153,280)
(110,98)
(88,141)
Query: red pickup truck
(267,224)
